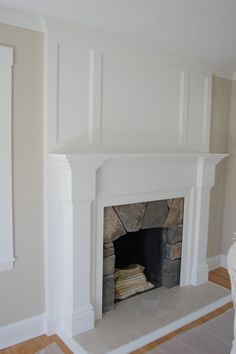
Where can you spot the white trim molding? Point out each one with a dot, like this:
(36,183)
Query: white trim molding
(21,331)
(78,313)
(225,74)
(7,264)
(86,183)
(6,226)
(220,260)
(21,19)
(95,96)
(74,346)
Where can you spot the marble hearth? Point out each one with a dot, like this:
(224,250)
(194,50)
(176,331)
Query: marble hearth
(89,182)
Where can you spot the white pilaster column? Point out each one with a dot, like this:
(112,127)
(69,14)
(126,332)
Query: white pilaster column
(205,181)
(77,192)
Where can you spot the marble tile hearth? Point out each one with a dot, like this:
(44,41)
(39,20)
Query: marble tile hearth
(149,316)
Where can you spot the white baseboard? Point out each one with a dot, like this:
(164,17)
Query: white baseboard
(53,324)
(74,346)
(223,260)
(79,322)
(22,330)
(217,261)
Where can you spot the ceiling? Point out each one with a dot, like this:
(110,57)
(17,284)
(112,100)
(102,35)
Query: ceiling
(202,30)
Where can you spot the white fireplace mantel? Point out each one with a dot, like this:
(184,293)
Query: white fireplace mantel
(88,182)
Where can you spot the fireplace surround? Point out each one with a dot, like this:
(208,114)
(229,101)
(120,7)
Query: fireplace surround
(89,182)
(147,234)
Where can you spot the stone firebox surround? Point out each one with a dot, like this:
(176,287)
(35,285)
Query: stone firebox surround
(90,182)
(122,219)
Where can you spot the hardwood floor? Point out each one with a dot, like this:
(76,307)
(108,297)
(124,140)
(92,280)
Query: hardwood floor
(36,344)
(218,276)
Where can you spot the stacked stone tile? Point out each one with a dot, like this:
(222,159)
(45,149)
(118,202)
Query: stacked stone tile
(119,220)
(172,246)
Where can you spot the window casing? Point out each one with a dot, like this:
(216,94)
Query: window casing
(6,218)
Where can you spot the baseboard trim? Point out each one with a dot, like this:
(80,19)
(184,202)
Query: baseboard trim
(21,331)
(201,276)
(219,260)
(53,324)
(223,260)
(74,346)
(79,322)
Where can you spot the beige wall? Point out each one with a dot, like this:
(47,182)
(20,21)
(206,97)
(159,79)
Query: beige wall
(229,215)
(221,98)
(21,290)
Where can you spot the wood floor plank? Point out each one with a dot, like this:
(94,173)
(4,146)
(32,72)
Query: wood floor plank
(36,344)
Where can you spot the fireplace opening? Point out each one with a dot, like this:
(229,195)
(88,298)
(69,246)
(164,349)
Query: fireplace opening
(142,248)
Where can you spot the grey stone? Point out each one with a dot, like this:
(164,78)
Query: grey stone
(108,252)
(173,251)
(170,280)
(108,245)
(108,265)
(156,214)
(169,202)
(131,215)
(173,235)
(171,266)
(113,227)
(170,273)
(108,293)
(175,216)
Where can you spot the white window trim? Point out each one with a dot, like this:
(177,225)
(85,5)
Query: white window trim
(6,219)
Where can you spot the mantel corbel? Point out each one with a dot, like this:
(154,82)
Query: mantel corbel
(78,176)
(206,169)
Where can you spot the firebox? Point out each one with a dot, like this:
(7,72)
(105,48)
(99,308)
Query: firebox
(142,248)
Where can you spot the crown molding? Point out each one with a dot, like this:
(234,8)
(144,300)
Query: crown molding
(225,74)
(39,23)
(21,19)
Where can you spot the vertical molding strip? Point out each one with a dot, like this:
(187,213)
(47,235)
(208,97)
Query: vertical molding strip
(183,108)
(52,86)
(57,93)
(207,112)
(95,97)
(6,225)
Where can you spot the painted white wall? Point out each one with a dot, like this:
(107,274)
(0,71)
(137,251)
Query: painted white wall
(109,91)
(221,99)
(22,290)
(229,220)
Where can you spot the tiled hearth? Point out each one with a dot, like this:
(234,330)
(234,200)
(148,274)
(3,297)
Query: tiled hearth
(90,182)
(142,319)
